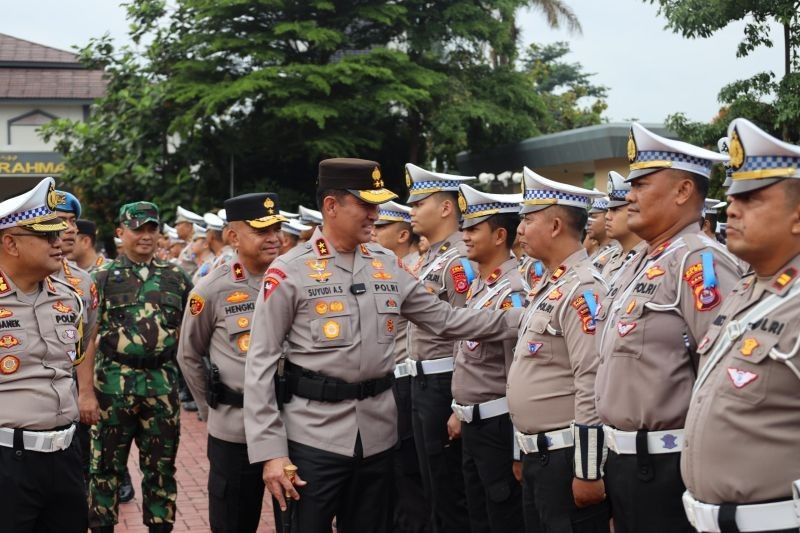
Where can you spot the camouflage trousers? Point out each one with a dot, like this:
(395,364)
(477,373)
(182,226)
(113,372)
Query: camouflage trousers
(154,423)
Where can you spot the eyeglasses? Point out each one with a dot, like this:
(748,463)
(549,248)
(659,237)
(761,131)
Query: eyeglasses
(52,237)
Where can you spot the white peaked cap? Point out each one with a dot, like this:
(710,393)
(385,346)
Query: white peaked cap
(477,206)
(539,193)
(422,183)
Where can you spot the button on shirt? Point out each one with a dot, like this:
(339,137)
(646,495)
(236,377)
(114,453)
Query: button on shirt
(744,419)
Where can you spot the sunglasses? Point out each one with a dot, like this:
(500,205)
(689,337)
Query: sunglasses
(51,237)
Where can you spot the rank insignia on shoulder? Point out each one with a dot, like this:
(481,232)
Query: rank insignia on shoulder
(654,272)
(9,364)
(494,276)
(196,304)
(507,304)
(50,286)
(321,246)
(741,378)
(95,298)
(659,249)
(786,276)
(460,283)
(558,273)
(748,346)
(364,250)
(238,272)
(623,328)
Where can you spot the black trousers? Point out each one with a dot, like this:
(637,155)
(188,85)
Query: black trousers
(646,498)
(235,488)
(356,490)
(547,486)
(411,510)
(84,444)
(42,492)
(439,457)
(494,496)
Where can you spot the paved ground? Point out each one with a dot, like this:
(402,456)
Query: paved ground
(192,476)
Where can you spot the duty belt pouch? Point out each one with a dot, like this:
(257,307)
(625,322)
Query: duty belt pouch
(644,463)
(541,445)
(283,394)
(212,381)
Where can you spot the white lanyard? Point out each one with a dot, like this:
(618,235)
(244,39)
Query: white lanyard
(438,262)
(491,293)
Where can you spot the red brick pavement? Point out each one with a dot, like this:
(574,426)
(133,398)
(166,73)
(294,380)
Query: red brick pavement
(192,477)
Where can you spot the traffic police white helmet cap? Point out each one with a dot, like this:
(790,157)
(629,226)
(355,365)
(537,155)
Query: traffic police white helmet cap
(310,216)
(33,210)
(184,215)
(294,227)
(213,221)
(391,211)
(617,189)
(540,193)
(422,183)
(477,206)
(758,159)
(648,153)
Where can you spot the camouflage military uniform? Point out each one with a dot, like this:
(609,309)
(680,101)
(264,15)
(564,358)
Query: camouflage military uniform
(135,376)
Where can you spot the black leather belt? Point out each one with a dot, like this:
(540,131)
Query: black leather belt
(315,386)
(228,396)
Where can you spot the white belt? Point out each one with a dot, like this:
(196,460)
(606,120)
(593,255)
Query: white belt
(402,369)
(490,409)
(436,366)
(560,438)
(624,442)
(39,441)
(756,517)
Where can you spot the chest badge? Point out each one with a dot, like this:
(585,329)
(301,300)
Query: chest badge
(321,308)
(5,313)
(319,266)
(61,308)
(748,346)
(243,322)
(9,364)
(534,347)
(623,328)
(555,295)
(196,304)
(337,306)
(741,378)
(379,272)
(331,329)
(471,345)
(654,272)
(243,342)
(8,341)
(237,297)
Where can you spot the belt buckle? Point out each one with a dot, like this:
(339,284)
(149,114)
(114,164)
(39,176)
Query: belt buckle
(412,368)
(57,441)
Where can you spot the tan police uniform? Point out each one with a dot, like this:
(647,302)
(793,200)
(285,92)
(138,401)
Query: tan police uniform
(551,379)
(41,338)
(740,450)
(186,259)
(531,270)
(82,283)
(445,272)
(665,301)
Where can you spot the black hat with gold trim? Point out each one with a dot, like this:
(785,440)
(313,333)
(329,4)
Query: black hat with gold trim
(258,209)
(477,206)
(33,210)
(758,159)
(648,153)
(358,176)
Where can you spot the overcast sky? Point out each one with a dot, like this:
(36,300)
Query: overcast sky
(650,71)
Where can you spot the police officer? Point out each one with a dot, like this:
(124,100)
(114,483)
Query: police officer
(617,228)
(412,510)
(740,449)
(446,272)
(607,248)
(84,253)
(141,305)
(710,220)
(185,222)
(291,230)
(480,410)
(40,340)
(336,301)
(215,337)
(551,380)
(665,301)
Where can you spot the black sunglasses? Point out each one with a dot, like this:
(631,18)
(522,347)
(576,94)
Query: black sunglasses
(51,236)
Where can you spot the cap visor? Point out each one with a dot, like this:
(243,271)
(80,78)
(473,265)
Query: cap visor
(265,222)
(376,196)
(617,203)
(135,223)
(743,186)
(43,226)
(469,222)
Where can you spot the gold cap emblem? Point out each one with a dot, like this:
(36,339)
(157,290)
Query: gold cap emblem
(408,179)
(52,198)
(270,205)
(377,181)
(736,150)
(462,203)
(631,147)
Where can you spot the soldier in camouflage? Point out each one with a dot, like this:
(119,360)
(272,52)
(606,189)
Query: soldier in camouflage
(141,305)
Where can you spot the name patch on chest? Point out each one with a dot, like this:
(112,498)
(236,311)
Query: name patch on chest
(544,306)
(239,308)
(770,326)
(645,288)
(9,324)
(385,287)
(69,318)
(328,290)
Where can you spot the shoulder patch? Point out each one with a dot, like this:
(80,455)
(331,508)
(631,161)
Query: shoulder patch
(196,304)
(705,299)
(460,283)
(277,272)
(585,315)
(271,283)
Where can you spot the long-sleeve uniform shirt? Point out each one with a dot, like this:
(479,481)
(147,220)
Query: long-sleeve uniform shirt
(744,419)
(663,303)
(481,367)
(339,313)
(39,337)
(551,380)
(216,324)
(83,284)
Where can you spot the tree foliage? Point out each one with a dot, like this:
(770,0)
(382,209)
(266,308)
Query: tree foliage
(261,90)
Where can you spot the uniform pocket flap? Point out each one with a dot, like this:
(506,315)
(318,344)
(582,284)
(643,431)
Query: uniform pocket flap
(238,323)
(386,303)
(753,346)
(539,322)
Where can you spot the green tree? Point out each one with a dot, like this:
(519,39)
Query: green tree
(571,99)
(779,91)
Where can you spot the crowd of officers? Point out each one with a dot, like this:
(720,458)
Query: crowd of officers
(551,361)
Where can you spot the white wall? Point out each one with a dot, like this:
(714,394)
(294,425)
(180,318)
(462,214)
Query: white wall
(26,138)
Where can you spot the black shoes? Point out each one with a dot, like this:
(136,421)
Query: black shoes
(126,492)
